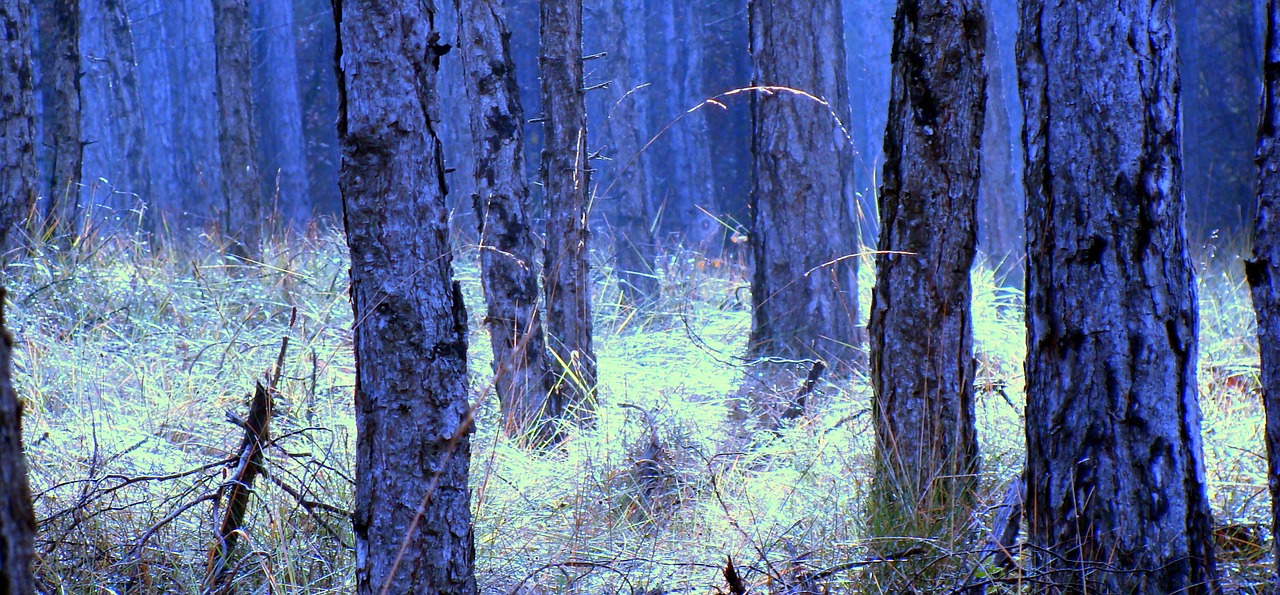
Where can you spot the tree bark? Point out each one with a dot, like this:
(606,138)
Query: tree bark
(151,35)
(1115,471)
(566,276)
(17,518)
(192,47)
(520,362)
(921,329)
(1001,205)
(1263,271)
(804,288)
(316,40)
(242,212)
(413,421)
(60,28)
(281,154)
(17,125)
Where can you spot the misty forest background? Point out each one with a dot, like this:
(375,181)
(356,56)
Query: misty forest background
(140,329)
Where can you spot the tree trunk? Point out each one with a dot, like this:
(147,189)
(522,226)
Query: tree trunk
(501,204)
(242,213)
(1263,271)
(921,329)
(150,31)
(60,29)
(17,518)
(17,126)
(1115,470)
(566,277)
(621,185)
(316,39)
(1001,205)
(869,37)
(281,154)
(197,122)
(726,65)
(804,289)
(412,517)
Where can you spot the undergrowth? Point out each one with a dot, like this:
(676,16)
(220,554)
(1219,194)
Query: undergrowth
(131,355)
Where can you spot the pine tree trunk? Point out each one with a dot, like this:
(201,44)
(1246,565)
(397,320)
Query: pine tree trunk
(17,125)
(1001,205)
(566,278)
(413,421)
(17,519)
(281,153)
(1263,271)
(242,213)
(921,329)
(502,208)
(804,289)
(150,32)
(1115,471)
(869,37)
(316,39)
(60,30)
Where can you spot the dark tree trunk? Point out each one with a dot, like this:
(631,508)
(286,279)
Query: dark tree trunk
(726,65)
(17,126)
(316,38)
(242,212)
(17,518)
(566,276)
(804,290)
(281,153)
(1115,470)
(921,329)
(502,208)
(1263,271)
(60,31)
(1001,204)
(621,185)
(413,421)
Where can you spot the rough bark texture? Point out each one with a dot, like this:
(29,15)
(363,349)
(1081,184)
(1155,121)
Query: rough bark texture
(242,212)
(921,329)
(60,24)
(281,152)
(566,278)
(501,202)
(197,200)
(1001,203)
(805,305)
(1263,271)
(413,420)
(1115,471)
(17,518)
(17,124)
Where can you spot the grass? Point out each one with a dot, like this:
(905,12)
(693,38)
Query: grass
(130,355)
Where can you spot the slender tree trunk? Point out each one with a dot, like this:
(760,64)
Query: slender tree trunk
(1001,205)
(1263,271)
(804,289)
(243,211)
(921,329)
(316,39)
(726,65)
(506,234)
(17,518)
(151,35)
(60,26)
(1115,470)
(566,276)
(192,47)
(412,517)
(281,153)
(17,128)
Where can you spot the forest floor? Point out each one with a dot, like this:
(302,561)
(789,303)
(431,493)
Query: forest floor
(130,356)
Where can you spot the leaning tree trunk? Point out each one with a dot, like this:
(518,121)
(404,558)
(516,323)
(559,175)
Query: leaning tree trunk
(566,278)
(60,26)
(17,125)
(520,362)
(1115,472)
(1263,271)
(804,289)
(17,519)
(412,516)
(921,329)
(242,212)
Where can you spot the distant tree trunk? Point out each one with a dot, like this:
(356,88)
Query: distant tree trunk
(621,185)
(60,29)
(243,211)
(413,420)
(726,65)
(1115,470)
(566,276)
(502,208)
(151,36)
(921,329)
(1263,271)
(316,39)
(281,153)
(805,287)
(17,128)
(192,49)
(17,519)
(869,37)
(1001,205)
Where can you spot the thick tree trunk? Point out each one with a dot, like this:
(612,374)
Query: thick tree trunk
(804,289)
(1263,271)
(501,202)
(150,31)
(242,212)
(60,30)
(921,329)
(566,276)
(192,49)
(1001,205)
(281,153)
(17,518)
(17,126)
(1115,471)
(412,516)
